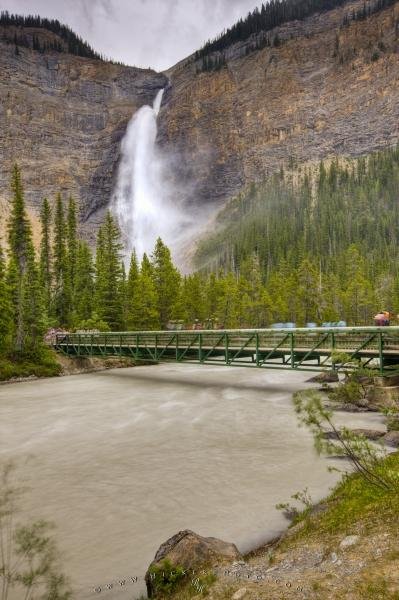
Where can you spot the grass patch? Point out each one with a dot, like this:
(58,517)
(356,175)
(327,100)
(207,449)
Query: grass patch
(355,500)
(377,589)
(169,580)
(42,363)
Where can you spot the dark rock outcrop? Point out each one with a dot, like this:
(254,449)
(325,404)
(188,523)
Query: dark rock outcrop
(325,377)
(369,434)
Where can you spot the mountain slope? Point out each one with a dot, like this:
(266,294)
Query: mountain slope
(320,87)
(329,87)
(62,118)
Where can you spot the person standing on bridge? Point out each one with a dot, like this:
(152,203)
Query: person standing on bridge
(382,319)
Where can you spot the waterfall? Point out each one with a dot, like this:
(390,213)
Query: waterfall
(148,201)
(141,200)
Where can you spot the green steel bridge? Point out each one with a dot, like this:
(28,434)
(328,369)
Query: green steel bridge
(300,348)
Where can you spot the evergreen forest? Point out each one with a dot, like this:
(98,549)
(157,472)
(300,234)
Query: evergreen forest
(319,249)
(323,249)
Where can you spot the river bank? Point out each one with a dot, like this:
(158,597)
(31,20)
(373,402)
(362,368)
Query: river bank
(345,546)
(59,365)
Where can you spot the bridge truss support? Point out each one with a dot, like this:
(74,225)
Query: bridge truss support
(299,349)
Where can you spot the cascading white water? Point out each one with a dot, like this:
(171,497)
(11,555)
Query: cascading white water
(141,200)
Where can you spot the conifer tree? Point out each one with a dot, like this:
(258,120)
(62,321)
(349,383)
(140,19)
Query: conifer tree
(122,291)
(132,281)
(23,275)
(84,284)
(144,314)
(109,275)
(229,303)
(45,255)
(255,309)
(100,275)
(62,290)
(167,283)
(5,309)
(194,300)
(308,293)
(71,248)
(211,300)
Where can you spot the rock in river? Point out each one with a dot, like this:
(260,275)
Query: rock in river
(192,552)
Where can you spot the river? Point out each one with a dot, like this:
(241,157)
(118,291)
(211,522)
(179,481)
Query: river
(121,460)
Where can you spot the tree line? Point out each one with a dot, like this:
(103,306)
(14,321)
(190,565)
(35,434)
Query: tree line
(211,57)
(68,41)
(73,43)
(321,250)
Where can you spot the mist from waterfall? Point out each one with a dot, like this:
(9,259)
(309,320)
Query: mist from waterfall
(145,205)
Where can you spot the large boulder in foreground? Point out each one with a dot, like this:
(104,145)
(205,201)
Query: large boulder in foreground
(191,552)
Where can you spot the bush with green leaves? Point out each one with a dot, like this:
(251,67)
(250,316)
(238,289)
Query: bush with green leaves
(94,323)
(40,363)
(167,579)
(29,561)
(290,511)
(357,380)
(392,415)
(364,457)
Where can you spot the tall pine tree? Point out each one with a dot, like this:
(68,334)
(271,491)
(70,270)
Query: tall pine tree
(62,290)
(5,309)
(45,256)
(167,283)
(131,285)
(71,250)
(109,305)
(23,275)
(84,284)
(144,313)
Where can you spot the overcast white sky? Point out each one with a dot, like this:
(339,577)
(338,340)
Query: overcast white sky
(144,33)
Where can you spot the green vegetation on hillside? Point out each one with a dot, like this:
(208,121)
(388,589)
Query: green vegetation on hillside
(322,250)
(356,507)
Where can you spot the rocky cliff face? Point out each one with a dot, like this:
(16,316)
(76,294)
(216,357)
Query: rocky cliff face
(326,90)
(62,118)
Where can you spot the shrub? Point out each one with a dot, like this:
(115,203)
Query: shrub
(29,558)
(40,363)
(166,578)
(363,456)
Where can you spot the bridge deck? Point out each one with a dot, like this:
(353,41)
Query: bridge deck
(306,349)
